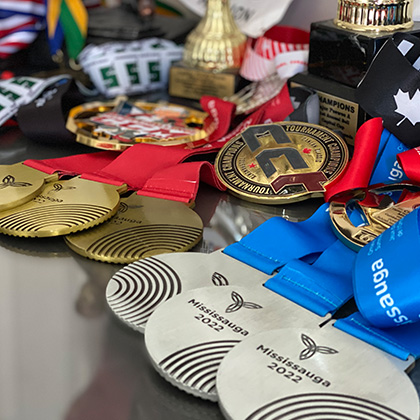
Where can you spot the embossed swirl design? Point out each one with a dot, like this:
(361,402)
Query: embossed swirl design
(196,367)
(135,291)
(131,244)
(50,220)
(318,406)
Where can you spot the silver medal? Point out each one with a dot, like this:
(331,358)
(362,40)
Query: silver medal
(314,373)
(188,336)
(135,291)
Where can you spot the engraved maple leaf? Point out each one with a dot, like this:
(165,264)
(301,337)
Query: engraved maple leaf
(408,108)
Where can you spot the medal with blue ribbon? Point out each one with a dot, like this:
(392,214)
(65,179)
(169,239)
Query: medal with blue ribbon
(308,370)
(188,336)
(252,260)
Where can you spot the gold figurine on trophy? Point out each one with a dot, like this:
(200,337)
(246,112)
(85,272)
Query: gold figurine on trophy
(212,57)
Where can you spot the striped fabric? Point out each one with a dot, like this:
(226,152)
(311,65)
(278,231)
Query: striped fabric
(20,23)
(282,50)
(269,48)
(67,19)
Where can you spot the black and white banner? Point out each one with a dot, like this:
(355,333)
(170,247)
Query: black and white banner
(391,88)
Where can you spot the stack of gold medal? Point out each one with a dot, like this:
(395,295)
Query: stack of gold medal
(116,228)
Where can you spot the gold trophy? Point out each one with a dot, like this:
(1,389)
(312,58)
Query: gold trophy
(213,54)
(340,52)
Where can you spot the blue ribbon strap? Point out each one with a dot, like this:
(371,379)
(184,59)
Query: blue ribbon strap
(387,169)
(277,241)
(400,341)
(322,287)
(386,275)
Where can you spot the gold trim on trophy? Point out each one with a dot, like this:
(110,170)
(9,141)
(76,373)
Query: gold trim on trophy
(213,54)
(216,43)
(375,15)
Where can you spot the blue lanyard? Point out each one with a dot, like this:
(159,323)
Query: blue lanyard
(383,277)
(277,241)
(385,280)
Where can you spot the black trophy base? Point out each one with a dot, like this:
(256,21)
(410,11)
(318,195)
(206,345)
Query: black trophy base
(338,109)
(344,55)
(193,83)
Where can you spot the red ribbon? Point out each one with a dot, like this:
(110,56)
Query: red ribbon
(181,182)
(73,165)
(161,171)
(358,171)
(410,163)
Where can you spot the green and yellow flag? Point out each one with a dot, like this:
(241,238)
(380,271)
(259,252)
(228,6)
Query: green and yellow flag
(66,20)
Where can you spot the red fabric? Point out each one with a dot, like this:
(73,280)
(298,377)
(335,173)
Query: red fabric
(275,110)
(73,165)
(359,170)
(138,163)
(159,171)
(410,163)
(287,34)
(181,182)
(220,116)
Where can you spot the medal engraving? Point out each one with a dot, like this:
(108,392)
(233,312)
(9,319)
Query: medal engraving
(136,290)
(281,163)
(61,208)
(142,227)
(20,184)
(308,373)
(188,336)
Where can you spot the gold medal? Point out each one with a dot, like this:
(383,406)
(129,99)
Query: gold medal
(379,212)
(281,163)
(20,184)
(118,125)
(63,207)
(143,227)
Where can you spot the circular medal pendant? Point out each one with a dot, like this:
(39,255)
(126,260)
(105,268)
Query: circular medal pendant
(118,125)
(143,227)
(188,336)
(360,215)
(20,184)
(63,207)
(135,291)
(313,373)
(281,163)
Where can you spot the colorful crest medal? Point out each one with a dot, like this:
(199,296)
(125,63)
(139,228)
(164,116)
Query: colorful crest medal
(118,125)
(314,373)
(281,163)
(377,208)
(142,227)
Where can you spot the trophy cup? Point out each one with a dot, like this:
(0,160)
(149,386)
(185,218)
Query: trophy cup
(212,57)
(340,52)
